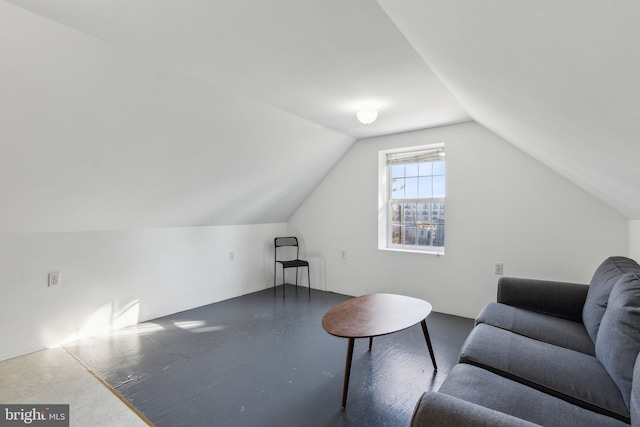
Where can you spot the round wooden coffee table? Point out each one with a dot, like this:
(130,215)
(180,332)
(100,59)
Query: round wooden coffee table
(373,315)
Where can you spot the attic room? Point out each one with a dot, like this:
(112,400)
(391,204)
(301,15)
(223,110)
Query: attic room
(151,152)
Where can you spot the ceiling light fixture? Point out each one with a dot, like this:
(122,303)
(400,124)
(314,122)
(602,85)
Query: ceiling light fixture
(367,114)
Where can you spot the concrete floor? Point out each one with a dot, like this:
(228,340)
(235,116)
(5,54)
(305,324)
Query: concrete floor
(260,360)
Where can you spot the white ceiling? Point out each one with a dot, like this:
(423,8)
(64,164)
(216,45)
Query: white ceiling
(559,79)
(318,60)
(154,113)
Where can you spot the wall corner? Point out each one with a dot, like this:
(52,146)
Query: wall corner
(634,239)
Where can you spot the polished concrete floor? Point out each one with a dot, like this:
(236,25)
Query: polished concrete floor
(261,360)
(53,376)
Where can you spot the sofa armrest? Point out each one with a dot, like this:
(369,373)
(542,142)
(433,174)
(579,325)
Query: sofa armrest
(560,299)
(439,409)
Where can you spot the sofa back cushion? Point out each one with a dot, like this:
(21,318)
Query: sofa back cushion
(618,342)
(598,295)
(635,395)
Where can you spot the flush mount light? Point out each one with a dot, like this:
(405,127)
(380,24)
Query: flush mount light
(367,114)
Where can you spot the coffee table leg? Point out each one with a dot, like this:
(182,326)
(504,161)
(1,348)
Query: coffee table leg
(426,337)
(347,372)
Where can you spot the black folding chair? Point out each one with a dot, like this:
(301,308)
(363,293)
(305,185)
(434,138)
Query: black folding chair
(289,262)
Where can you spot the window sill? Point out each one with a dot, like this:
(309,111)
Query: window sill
(415,251)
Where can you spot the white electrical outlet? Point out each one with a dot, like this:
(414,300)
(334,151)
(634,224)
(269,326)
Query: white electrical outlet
(54,279)
(231,256)
(498,268)
(344,254)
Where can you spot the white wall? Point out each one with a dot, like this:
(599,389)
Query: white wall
(634,240)
(502,206)
(113,278)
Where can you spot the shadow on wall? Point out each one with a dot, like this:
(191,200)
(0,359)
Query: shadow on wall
(318,268)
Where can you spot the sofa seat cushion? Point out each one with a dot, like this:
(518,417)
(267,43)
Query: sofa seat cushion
(481,387)
(439,409)
(541,327)
(567,374)
(618,342)
(605,276)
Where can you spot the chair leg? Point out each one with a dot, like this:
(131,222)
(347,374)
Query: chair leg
(275,270)
(309,280)
(283,281)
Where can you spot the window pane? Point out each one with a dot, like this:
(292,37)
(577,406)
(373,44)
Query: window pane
(438,186)
(397,188)
(409,212)
(396,212)
(397,171)
(439,168)
(438,236)
(437,212)
(425,188)
(411,188)
(396,234)
(425,235)
(422,213)
(409,235)
(411,169)
(426,168)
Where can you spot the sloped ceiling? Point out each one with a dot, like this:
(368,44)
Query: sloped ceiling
(156,113)
(153,113)
(559,79)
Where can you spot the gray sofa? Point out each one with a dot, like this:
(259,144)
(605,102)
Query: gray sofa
(548,353)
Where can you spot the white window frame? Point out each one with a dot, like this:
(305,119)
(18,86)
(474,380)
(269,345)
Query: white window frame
(384,205)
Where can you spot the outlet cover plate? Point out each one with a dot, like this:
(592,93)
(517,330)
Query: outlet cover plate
(54,278)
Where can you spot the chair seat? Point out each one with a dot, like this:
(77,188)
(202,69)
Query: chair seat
(294,263)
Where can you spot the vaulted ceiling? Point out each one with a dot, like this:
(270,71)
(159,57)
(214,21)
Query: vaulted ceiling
(152,113)
(558,79)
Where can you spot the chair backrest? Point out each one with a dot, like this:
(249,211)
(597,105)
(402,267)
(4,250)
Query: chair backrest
(286,241)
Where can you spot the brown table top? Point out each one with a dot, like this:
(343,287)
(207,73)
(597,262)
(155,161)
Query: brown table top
(374,315)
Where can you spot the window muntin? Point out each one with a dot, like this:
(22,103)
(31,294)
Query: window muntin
(416,191)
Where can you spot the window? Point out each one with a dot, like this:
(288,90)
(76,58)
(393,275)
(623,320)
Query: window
(412,199)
